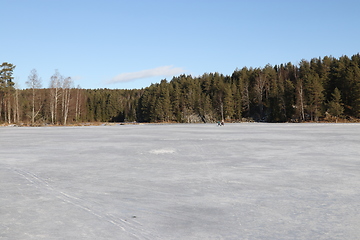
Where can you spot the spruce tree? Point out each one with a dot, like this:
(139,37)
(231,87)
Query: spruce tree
(335,106)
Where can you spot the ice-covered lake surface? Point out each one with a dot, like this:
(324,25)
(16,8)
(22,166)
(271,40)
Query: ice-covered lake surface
(181,181)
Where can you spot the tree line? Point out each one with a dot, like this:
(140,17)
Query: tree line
(325,88)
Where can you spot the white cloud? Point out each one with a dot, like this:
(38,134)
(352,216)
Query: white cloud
(163,71)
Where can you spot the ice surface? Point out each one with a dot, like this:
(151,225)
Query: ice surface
(181,181)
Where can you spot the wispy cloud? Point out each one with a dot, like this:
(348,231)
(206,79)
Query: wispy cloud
(163,71)
(77,78)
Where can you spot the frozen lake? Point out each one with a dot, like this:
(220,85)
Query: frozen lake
(181,181)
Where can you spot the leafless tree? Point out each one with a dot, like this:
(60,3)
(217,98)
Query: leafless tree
(34,83)
(300,99)
(259,88)
(66,94)
(16,104)
(78,103)
(246,97)
(55,85)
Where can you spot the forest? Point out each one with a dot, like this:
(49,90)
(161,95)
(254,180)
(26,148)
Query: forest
(322,89)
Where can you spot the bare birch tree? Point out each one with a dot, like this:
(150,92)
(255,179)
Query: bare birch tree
(78,103)
(55,85)
(259,88)
(66,94)
(16,103)
(300,100)
(34,83)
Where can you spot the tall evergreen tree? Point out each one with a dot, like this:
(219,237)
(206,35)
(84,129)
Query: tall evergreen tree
(6,90)
(335,106)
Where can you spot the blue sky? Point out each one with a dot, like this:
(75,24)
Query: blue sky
(131,44)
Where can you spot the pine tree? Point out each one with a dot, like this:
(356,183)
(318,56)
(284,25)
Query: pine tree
(335,106)
(6,89)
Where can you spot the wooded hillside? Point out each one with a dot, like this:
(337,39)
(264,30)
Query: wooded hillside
(320,89)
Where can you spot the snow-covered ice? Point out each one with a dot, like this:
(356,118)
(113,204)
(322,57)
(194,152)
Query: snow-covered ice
(181,181)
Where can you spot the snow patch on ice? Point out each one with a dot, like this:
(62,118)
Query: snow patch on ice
(162,151)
